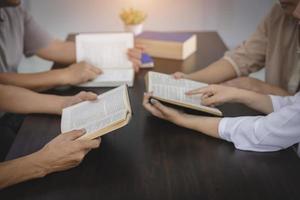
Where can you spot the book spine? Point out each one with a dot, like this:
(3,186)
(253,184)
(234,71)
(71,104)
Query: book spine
(163,49)
(189,47)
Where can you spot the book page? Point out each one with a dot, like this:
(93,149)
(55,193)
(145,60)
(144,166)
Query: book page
(112,78)
(125,75)
(109,108)
(166,87)
(104,50)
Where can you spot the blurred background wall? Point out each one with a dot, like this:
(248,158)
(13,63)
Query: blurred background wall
(235,20)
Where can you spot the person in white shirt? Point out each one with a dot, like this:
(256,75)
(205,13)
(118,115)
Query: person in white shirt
(279,129)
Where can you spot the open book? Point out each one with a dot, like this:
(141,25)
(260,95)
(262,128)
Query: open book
(167,89)
(107,51)
(109,112)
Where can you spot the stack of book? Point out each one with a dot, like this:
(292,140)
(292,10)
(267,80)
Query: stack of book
(171,45)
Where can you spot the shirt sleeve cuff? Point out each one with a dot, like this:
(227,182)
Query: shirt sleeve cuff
(235,66)
(275,102)
(223,131)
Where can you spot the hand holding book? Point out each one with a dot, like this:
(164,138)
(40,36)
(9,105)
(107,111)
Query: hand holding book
(78,98)
(161,111)
(110,111)
(135,56)
(173,91)
(108,51)
(79,73)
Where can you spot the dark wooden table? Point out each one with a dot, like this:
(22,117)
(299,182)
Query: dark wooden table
(154,159)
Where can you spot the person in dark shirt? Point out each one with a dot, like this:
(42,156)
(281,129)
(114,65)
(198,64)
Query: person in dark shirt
(61,153)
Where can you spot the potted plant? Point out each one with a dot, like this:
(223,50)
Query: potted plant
(133,20)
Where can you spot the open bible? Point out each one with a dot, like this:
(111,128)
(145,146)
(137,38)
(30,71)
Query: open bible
(109,112)
(107,51)
(167,89)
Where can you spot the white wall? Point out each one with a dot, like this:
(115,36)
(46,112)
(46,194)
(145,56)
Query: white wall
(233,19)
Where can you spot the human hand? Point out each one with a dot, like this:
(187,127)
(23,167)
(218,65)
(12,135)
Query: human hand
(161,111)
(213,95)
(179,75)
(135,55)
(80,97)
(80,73)
(65,151)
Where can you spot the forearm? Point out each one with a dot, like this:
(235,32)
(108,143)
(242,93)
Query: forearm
(217,72)
(274,90)
(20,169)
(35,81)
(20,100)
(206,125)
(257,101)
(60,52)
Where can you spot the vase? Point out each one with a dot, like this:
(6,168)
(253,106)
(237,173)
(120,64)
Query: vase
(135,29)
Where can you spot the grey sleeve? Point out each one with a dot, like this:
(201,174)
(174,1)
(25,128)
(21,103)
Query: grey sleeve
(35,37)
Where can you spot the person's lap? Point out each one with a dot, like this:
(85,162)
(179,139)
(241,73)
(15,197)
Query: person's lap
(9,127)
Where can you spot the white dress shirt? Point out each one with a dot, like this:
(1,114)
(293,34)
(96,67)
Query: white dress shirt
(278,130)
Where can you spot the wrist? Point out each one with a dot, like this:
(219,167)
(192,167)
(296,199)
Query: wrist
(189,76)
(53,104)
(275,90)
(240,96)
(246,97)
(180,119)
(63,76)
(61,104)
(38,164)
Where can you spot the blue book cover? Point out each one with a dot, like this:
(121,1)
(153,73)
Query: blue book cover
(147,61)
(165,36)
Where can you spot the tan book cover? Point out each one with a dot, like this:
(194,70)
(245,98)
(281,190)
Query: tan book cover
(171,45)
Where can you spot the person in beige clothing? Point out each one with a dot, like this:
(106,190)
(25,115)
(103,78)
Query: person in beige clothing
(274,45)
